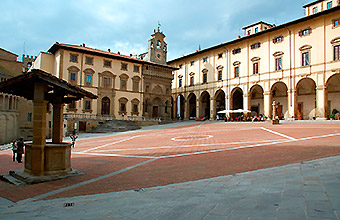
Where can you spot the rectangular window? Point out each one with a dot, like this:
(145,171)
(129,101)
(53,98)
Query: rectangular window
(278,64)
(87,105)
(256,45)
(329,5)
(135,85)
(278,39)
(122,107)
(336,52)
(124,66)
(73,77)
(305,32)
(135,68)
(191,80)
(315,10)
(180,66)
(249,32)
(256,30)
(220,55)
(135,108)
(336,23)
(192,63)
(73,58)
(180,83)
(107,81)
(123,84)
(255,68)
(205,59)
(72,105)
(205,78)
(236,51)
(88,79)
(29,116)
(89,60)
(107,63)
(219,75)
(305,59)
(236,71)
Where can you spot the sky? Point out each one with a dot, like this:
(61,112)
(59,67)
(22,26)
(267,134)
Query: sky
(32,26)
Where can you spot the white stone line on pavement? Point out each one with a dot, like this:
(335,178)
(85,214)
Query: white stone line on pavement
(249,146)
(277,133)
(187,146)
(113,155)
(116,142)
(85,182)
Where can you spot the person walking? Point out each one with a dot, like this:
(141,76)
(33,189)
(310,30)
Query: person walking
(14,149)
(73,137)
(20,150)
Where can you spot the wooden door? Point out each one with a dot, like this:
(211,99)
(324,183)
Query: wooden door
(105,106)
(155,112)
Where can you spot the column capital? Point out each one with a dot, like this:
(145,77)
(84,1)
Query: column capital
(267,93)
(321,87)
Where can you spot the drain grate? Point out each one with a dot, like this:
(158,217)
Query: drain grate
(69,204)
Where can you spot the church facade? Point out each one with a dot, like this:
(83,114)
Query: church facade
(133,87)
(294,66)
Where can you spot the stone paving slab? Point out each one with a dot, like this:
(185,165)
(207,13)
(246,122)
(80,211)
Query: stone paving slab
(261,194)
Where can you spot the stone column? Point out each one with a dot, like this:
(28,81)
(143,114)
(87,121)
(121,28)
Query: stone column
(57,132)
(267,104)
(212,108)
(292,103)
(39,131)
(186,110)
(246,101)
(321,102)
(198,108)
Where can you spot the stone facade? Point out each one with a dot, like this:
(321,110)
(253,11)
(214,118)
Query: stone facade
(294,64)
(127,87)
(15,112)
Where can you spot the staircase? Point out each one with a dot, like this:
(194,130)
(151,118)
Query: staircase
(115,126)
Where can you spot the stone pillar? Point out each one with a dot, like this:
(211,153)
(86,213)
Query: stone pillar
(198,108)
(57,132)
(39,132)
(246,101)
(186,110)
(212,108)
(321,102)
(292,103)
(267,104)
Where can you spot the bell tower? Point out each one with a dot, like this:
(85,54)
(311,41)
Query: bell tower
(157,50)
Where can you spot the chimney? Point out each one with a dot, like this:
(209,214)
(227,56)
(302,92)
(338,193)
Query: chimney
(239,37)
(109,50)
(118,53)
(83,44)
(130,54)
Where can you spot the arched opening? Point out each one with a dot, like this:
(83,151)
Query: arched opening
(180,107)
(105,106)
(333,94)
(279,94)
(205,99)
(256,100)
(306,99)
(192,106)
(220,103)
(237,99)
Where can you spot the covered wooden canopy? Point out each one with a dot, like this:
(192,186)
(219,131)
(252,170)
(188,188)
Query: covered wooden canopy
(23,85)
(41,158)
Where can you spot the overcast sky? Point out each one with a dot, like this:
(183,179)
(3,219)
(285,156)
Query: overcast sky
(32,26)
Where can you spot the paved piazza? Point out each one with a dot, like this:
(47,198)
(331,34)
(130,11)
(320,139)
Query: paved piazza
(221,170)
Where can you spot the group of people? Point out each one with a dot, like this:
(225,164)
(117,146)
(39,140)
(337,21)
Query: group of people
(18,149)
(247,118)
